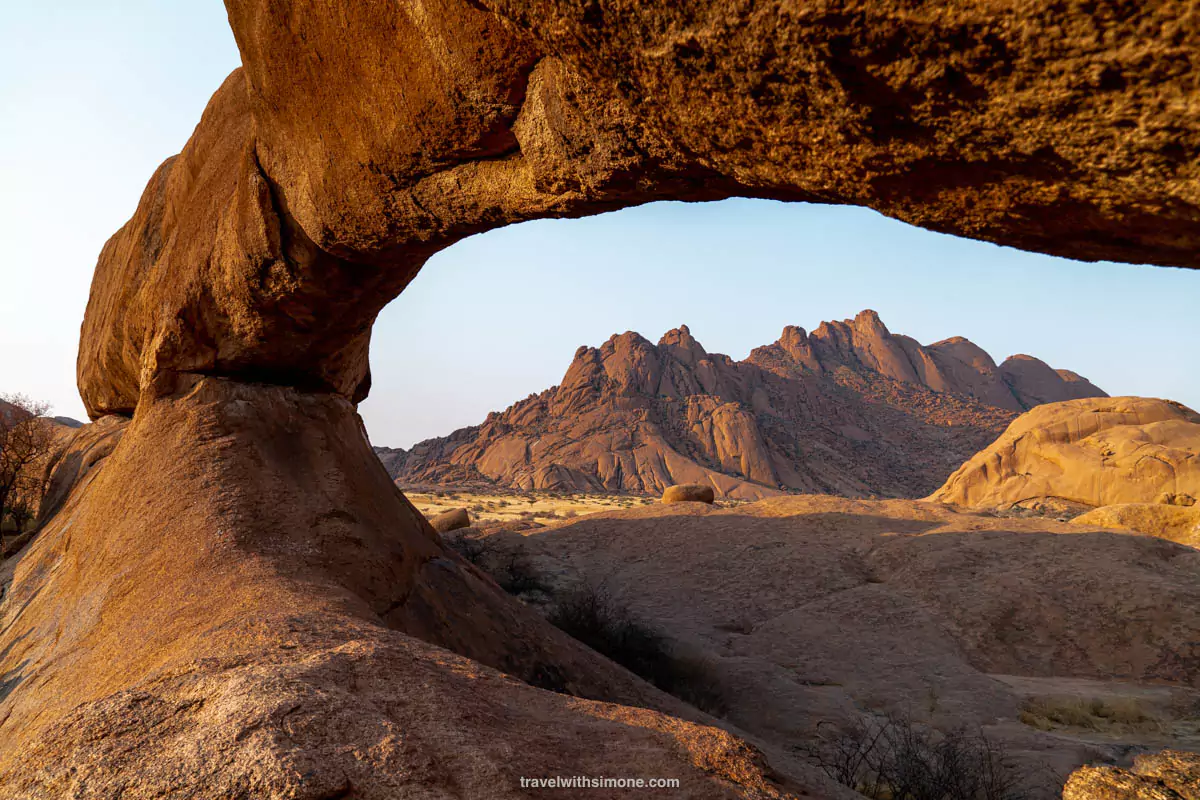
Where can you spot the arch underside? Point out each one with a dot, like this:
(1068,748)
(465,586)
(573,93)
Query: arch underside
(358,140)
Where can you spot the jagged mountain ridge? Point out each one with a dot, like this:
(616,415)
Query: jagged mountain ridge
(849,409)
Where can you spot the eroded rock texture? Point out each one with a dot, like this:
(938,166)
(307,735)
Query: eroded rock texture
(242,546)
(1094,452)
(228,605)
(358,140)
(1169,775)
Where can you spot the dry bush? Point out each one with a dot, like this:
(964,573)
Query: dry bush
(509,567)
(470,548)
(26,440)
(591,615)
(893,758)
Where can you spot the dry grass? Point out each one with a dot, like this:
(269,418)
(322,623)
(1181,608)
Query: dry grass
(1105,715)
(540,507)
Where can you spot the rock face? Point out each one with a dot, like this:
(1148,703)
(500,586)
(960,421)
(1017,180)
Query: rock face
(1096,452)
(278,660)
(265,249)
(230,597)
(391,457)
(1176,523)
(851,409)
(688,493)
(77,454)
(1169,775)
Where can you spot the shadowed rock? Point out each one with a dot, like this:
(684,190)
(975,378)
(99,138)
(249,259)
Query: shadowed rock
(451,520)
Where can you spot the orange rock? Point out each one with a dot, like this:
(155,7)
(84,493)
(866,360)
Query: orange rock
(229,595)
(820,413)
(688,493)
(1176,523)
(1097,451)
(323,175)
(238,615)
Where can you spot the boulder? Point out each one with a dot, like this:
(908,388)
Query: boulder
(1094,451)
(451,520)
(265,625)
(688,493)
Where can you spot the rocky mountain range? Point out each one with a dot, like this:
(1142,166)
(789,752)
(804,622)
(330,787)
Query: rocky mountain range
(850,409)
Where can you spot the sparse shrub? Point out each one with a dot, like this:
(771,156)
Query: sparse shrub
(892,758)
(591,615)
(470,548)
(510,568)
(21,512)
(26,440)
(548,677)
(516,574)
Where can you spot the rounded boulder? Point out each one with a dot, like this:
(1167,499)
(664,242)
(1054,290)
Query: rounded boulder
(688,493)
(451,520)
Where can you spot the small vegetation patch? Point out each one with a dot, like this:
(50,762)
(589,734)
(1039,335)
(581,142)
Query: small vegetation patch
(893,758)
(591,615)
(1089,713)
(508,505)
(509,566)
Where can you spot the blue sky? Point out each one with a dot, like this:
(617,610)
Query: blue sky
(95,95)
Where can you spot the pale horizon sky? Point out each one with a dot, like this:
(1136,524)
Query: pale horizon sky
(95,95)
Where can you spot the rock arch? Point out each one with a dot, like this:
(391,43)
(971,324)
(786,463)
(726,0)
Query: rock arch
(228,595)
(358,139)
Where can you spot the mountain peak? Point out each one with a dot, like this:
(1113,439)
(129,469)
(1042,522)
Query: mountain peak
(680,343)
(869,318)
(851,409)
